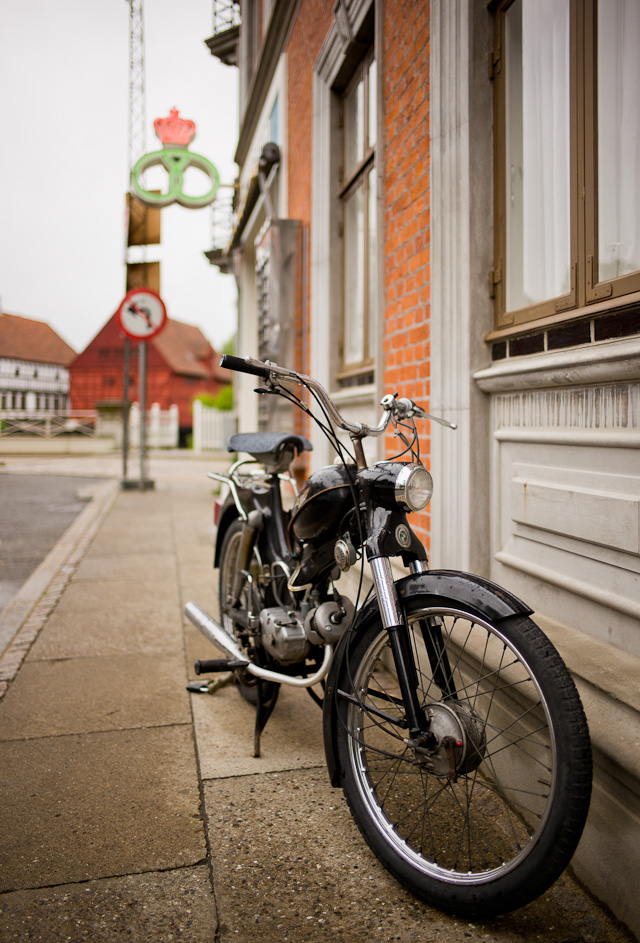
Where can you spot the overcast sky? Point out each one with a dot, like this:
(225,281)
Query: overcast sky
(64,96)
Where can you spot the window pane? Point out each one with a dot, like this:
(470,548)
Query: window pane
(354,278)
(274,123)
(373,111)
(538,243)
(618,138)
(354,127)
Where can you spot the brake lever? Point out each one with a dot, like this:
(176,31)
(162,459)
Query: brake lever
(443,422)
(404,408)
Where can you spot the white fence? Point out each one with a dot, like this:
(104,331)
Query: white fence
(46,424)
(212,427)
(163,427)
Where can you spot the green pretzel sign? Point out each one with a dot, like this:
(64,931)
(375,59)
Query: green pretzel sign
(175,133)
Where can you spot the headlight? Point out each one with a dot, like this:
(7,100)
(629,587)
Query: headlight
(414,487)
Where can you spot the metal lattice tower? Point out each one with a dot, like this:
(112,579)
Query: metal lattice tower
(137,111)
(137,100)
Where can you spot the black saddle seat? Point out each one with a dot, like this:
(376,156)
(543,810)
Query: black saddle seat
(267,443)
(274,450)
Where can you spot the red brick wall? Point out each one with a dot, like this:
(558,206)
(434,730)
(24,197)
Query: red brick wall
(404,157)
(305,42)
(407,233)
(308,34)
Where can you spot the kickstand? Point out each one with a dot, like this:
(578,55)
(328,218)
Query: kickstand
(264,709)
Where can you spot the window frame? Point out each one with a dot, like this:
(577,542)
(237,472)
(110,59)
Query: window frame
(350,181)
(586,292)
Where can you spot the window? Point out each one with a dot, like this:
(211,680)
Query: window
(274,122)
(358,206)
(567,145)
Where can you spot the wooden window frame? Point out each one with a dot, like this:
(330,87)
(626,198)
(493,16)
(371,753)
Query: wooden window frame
(586,292)
(357,178)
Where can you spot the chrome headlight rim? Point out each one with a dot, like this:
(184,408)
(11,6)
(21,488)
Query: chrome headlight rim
(408,485)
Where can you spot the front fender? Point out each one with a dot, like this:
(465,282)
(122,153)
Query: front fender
(440,588)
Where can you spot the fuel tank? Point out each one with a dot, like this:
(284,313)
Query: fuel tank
(324,499)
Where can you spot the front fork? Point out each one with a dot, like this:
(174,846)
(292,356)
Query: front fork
(395,625)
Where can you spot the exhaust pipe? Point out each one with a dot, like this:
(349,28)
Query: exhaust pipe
(213,631)
(216,634)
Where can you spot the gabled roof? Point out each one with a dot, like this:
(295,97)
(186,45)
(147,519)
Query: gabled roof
(26,339)
(186,350)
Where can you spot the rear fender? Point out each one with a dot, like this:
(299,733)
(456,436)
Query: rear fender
(438,588)
(228,514)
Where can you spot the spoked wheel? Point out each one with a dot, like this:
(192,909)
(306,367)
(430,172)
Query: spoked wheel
(481,813)
(247,683)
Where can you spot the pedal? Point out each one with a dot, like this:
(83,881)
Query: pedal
(198,687)
(210,687)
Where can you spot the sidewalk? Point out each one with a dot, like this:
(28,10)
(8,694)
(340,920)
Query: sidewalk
(131,809)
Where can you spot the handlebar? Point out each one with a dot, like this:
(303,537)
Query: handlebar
(391,404)
(241,366)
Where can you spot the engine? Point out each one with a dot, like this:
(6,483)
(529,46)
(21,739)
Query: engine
(288,636)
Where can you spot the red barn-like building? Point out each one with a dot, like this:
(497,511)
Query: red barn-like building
(181,364)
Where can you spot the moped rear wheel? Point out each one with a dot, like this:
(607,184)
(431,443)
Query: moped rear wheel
(229,552)
(483,813)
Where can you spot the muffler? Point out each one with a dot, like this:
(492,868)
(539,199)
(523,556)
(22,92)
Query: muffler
(216,634)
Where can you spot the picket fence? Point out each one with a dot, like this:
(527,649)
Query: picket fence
(212,427)
(163,427)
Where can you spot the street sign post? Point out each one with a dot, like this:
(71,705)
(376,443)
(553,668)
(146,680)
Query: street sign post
(142,315)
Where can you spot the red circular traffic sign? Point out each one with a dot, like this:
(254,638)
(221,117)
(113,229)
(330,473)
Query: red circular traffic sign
(142,314)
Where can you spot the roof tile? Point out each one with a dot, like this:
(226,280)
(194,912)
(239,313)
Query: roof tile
(26,339)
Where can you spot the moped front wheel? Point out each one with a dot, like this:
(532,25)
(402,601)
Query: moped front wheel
(483,812)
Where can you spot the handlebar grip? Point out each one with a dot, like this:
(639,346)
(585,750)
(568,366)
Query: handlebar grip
(241,366)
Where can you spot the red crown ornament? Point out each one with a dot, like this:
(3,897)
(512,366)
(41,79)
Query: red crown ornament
(174,130)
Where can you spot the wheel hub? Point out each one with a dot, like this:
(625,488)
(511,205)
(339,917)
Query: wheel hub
(456,740)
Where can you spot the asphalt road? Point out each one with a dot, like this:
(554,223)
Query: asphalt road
(34,513)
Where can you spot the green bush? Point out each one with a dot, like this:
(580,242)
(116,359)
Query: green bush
(224,398)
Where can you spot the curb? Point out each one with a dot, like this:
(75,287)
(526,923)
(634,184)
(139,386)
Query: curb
(25,615)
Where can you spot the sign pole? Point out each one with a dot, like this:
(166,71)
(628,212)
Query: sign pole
(142,315)
(125,408)
(142,365)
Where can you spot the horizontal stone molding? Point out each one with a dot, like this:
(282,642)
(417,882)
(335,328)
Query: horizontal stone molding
(600,439)
(599,363)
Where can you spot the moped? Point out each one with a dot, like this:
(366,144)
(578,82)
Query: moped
(449,719)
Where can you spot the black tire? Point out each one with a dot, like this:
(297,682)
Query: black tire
(495,833)
(247,684)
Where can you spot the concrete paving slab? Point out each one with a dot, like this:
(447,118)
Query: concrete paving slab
(289,864)
(100,566)
(224,724)
(200,572)
(81,807)
(119,540)
(166,907)
(194,547)
(202,591)
(148,510)
(98,596)
(81,695)
(132,629)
